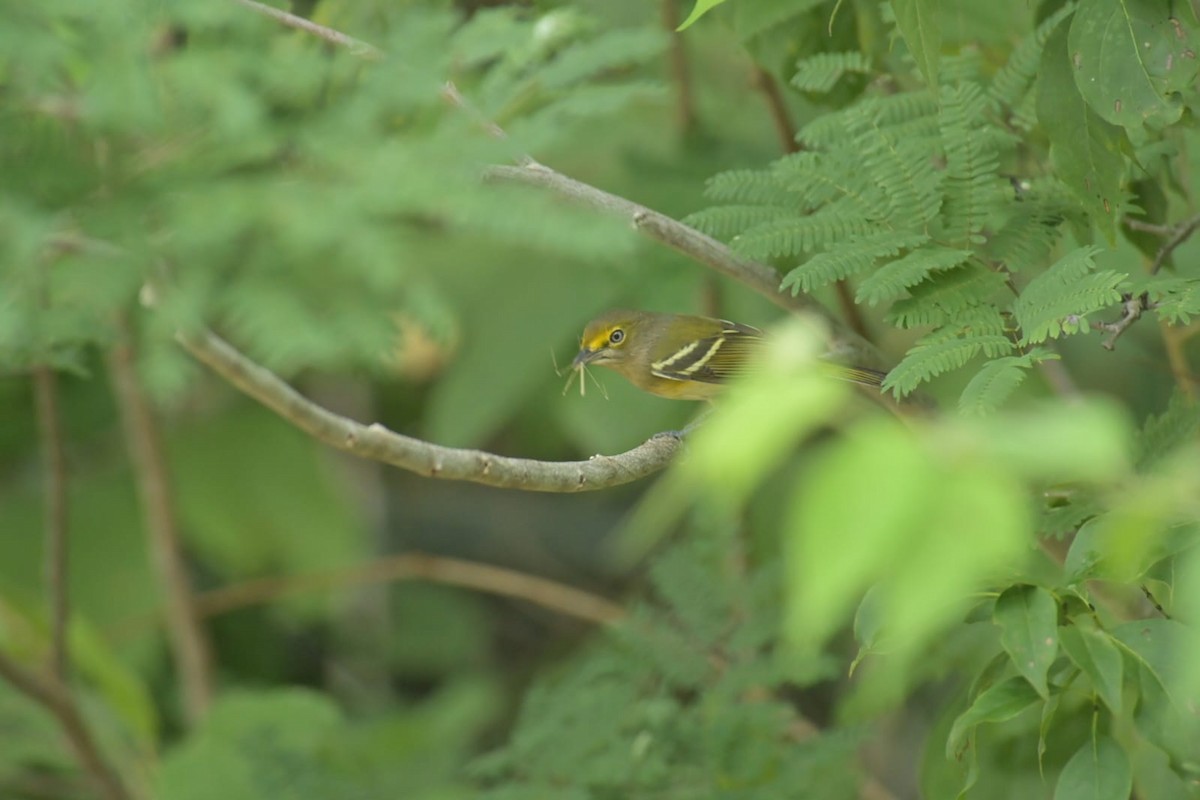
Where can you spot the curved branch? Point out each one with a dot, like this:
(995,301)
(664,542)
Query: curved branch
(380,444)
(419,566)
(687,240)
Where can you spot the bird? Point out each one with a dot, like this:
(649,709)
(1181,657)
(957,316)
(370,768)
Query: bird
(681,356)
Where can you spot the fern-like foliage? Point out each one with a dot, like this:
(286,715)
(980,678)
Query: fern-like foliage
(893,280)
(1012,83)
(1056,302)
(907,195)
(1174,299)
(1165,433)
(948,348)
(998,379)
(820,73)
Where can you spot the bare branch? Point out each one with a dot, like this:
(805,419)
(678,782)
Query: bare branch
(1133,308)
(1180,234)
(45,384)
(189,641)
(419,566)
(689,241)
(54,696)
(378,443)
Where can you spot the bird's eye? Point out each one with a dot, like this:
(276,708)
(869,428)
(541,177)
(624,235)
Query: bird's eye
(617,336)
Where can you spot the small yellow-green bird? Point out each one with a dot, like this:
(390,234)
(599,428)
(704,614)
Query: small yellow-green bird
(680,356)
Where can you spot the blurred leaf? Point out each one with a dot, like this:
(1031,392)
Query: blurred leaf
(297,520)
(122,689)
(1028,620)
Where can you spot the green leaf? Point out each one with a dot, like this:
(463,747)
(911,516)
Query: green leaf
(821,72)
(701,8)
(999,703)
(1094,652)
(1098,771)
(892,280)
(1056,302)
(829,570)
(998,379)
(1130,58)
(1028,620)
(919,25)
(1085,149)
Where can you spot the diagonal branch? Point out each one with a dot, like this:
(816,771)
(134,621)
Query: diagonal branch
(687,240)
(380,444)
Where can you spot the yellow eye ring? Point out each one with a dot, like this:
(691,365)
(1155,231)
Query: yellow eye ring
(616,337)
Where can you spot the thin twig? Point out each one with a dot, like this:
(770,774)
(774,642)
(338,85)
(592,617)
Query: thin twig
(418,566)
(681,74)
(378,443)
(786,132)
(1180,234)
(355,46)
(689,241)
(1132,311)
(50,431)
(54,696)
(189,642)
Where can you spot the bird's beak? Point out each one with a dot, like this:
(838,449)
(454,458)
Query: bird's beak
(584,357)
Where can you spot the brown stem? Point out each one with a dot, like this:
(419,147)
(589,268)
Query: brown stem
(189,641)
(1179,234)
(681,75)
(50,431)
(54,696)
(418,566)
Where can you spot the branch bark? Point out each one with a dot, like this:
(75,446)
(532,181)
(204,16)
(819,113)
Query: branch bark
(189,641)
(380,444)
(692,243)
